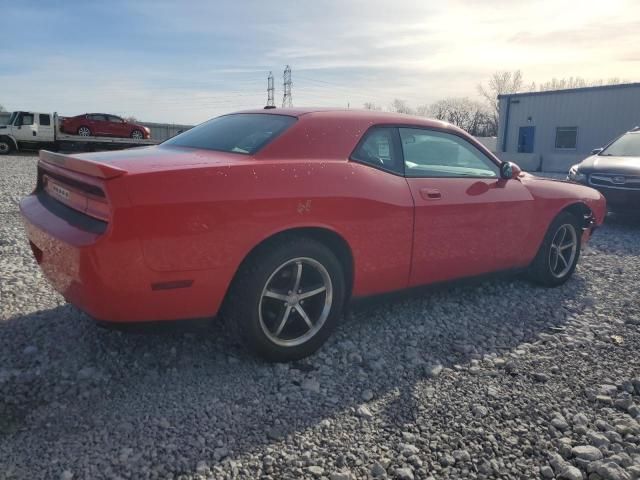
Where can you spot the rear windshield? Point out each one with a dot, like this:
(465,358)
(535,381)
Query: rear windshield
(242,133)
(627,145)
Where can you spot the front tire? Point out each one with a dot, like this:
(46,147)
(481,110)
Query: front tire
(558,255)
(137,134)
(6,146)
(287,298)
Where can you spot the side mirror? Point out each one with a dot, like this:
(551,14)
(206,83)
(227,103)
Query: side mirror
(509,170)
(596,151)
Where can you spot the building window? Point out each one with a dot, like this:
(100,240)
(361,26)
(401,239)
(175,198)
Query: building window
(566,137)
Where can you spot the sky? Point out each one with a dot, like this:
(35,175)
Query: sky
(187,61)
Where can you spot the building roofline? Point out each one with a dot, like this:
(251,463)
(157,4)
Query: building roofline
(571,90)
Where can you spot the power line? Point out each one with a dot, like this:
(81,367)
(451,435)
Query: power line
(346,91)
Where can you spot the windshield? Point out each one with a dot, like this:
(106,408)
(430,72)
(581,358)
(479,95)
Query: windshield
(242,133)
(627,145)
(12,118)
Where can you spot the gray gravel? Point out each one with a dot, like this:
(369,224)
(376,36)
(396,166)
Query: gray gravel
(496,380)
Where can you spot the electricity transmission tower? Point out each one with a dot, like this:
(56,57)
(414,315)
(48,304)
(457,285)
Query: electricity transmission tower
(270,90)
(286,98)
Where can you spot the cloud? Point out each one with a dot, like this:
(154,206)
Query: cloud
(188,61)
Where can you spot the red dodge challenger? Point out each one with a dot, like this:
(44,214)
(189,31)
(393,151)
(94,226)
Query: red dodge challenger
(276,218)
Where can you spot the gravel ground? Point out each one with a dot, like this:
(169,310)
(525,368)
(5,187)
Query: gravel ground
(496,380)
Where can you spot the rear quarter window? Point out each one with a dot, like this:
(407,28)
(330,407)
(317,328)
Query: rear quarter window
(243,133)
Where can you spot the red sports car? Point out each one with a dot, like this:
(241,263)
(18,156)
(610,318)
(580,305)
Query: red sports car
(103,125)
(277,218)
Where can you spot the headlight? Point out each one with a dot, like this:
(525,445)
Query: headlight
(576,176)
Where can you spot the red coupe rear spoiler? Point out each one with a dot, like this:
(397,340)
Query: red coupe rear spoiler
(87,167)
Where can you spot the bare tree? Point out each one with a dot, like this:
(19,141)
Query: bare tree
(574,82)
(400,106)
(371,106)
(501,83)
(423,110)
(2,108)
(131,119)
(465,113)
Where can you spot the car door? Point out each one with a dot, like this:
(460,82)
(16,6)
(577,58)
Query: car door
(92,122)
(45,128)
(117,126)
(25,127)
(468,220)
(98,124)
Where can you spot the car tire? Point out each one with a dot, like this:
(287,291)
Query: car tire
(268,314)
(6,146)
(137,134)
(84,131)
(558,255)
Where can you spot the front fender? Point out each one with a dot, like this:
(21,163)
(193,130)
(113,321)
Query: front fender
(554,196)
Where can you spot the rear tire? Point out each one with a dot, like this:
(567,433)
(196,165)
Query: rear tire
(558,255)
(287,298)
(84,131)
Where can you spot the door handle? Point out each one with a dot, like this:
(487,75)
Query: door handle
(430,194)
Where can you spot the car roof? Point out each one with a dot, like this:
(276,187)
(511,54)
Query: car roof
(373,116)
(344,126)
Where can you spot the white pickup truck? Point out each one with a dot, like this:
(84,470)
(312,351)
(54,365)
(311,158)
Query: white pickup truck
(34,130)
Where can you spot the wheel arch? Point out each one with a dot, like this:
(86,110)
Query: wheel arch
(11,140)
(581,211)
(327,236)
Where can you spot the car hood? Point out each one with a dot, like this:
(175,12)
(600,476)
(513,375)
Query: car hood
(603,163)
(163,158)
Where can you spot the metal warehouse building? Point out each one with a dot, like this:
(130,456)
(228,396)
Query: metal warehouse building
(550,131)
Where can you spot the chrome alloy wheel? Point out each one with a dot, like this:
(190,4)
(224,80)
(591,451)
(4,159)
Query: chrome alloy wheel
(295,302)
(84,132)
(137,134)
(562,252)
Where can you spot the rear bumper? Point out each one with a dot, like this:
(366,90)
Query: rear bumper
(107,278)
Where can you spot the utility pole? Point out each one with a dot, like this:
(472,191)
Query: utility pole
(286,98)
(270,90)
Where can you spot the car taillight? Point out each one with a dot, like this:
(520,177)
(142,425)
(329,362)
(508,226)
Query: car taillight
(90,204)
(97,209)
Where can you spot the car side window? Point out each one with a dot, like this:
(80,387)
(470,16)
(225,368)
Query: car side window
(429,153)
(45,119)
(97,118)
(377,148)
(113,118)
(27,119)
